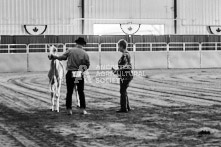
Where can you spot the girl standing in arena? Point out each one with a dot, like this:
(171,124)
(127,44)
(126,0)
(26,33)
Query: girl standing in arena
(125,74)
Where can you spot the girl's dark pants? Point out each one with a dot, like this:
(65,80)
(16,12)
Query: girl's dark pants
(124,102)
(70,83)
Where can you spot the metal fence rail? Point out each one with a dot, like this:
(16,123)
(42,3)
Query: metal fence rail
(41,48)
(143,55)
(108,47)
(210,46)
(112,47)
(180,46)
(90,47)
(159,46)
(13,48)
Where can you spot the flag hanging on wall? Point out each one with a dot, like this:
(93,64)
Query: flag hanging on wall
(35,29)
(216,30)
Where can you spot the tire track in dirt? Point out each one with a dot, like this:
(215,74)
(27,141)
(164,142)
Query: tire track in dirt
(144,90)
(38,94)
(212,87)
(93,91)
(34,100)
(179,91)
(110,93)
(143,94)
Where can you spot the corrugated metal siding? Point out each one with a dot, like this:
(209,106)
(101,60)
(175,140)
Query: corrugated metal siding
(195,15)
(128,9)
(57,14)
(149,11)
(61,15)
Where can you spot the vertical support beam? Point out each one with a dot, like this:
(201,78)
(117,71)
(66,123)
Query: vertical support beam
(175,16)
(82,16)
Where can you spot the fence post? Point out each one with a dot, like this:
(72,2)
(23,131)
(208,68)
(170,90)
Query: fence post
(216,46)
(8,48)
(116,47)
(200,50)
(28,51)
(64,47)
(134,51)
(184,47)
(168,56)
(99,50)
(45,48)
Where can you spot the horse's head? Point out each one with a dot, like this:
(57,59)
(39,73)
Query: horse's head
(52,51)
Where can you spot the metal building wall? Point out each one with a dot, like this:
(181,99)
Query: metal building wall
(124,11)
(57,14)
(195,15)
(62,16)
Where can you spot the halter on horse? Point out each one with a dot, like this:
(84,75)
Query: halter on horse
(55,75)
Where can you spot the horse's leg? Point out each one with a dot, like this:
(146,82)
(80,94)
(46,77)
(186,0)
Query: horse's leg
(58,94)
(52,100)
(58,103)
(57,98)
(52,95)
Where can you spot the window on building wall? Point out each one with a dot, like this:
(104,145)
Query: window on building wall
(117,29)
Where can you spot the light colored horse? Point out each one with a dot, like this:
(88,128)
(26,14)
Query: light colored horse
(55,75)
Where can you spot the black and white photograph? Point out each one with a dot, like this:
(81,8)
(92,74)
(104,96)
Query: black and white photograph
(110,73)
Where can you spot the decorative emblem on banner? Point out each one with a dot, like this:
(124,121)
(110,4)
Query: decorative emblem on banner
(130,28)
(35,29)
(216,30)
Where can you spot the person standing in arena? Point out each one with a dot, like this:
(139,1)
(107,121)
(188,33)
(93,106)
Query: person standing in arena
(77,63)
(125,74)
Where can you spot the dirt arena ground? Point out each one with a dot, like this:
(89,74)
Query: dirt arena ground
(171,108)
